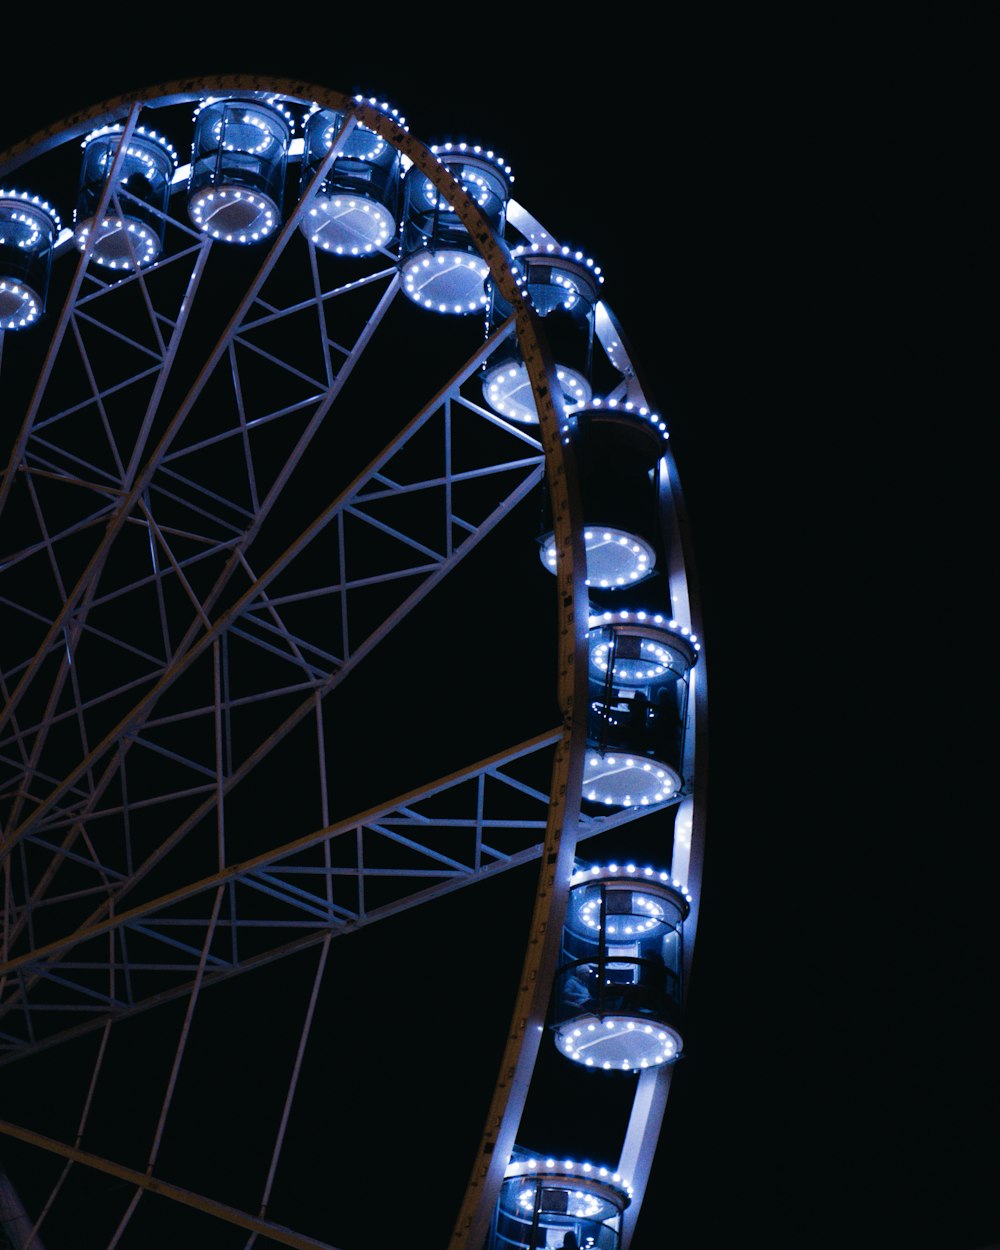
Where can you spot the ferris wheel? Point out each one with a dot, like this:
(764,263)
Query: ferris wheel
(343,565)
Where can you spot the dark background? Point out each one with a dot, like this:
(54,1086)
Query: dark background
(839,1087)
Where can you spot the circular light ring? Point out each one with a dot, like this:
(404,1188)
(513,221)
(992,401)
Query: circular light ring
(507,390)
(619,779)
(446,281)
(139,132)
(656,660)
(285,113)
(254,147)
(233,214)
(581,1204)
(36,228)
(622,409)
(475,186)
(271,103)
(20,306)
(450,152)
(521,1194)
(618,1043)
(482,175)
(648,879)
(649,625)
(615,558)
(656,900)
(23,202)
(581,268)
(141,157)
(361,144)
(347,225)
(651,915)
(122,243)
(568,1172)
(383,107)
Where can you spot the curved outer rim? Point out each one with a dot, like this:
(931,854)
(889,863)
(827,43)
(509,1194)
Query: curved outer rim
(650,1102)
(558,852)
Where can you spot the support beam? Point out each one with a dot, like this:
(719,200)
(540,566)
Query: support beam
(149,1184)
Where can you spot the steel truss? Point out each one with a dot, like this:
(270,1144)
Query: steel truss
(187,601)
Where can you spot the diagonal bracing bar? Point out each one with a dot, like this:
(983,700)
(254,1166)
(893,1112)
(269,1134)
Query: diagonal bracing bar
(152,1185)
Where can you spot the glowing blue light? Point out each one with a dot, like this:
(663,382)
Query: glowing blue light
(662,625)
(614,558)
(232,214)
(554,251)
(125,239)
(654,418)
(623,780)
(19,305)
(9,199)
(383,107)
(473,184)
(139,132)
(624,1044)
(270,102)
(119,242)
(347,225)
(596,872)
(28,226)
(445,151)
(610,1183)
(448,281)
(507,390)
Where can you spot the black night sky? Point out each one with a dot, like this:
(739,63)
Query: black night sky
(838,1088)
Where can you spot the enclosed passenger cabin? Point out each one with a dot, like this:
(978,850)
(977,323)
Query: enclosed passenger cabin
(639,666)
(618,448)
(355,208)
(441,265)
(552,1204)
(239,156)
(127,232)
(563,286)
(29,227)
(617,998)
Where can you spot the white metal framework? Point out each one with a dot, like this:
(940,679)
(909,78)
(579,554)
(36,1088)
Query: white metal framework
(247,703)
